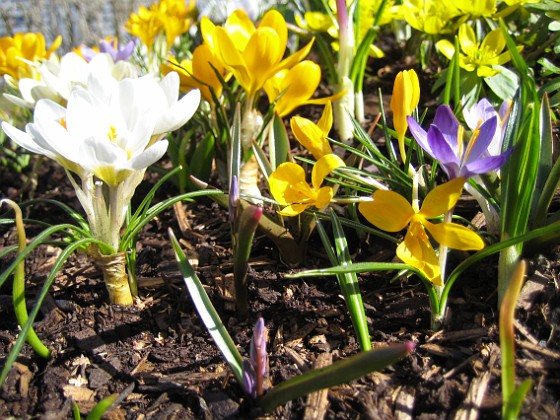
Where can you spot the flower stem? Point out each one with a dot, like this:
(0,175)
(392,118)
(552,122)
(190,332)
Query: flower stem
(113,268)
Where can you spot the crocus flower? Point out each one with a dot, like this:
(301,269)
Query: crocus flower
(478,56)
(444,142)
(58,79)
(255,369)
(289,188)
(482,111)
(199,72)
(392,212)
(314,136)
(252,54)
(20,54)
(110,133)
(292,88)
(405,98)
(112,47)
(145,24)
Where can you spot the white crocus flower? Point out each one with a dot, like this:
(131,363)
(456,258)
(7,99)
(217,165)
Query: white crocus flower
(105,138)
(59,78)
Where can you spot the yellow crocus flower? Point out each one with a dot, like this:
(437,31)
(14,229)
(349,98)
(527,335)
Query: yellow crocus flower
(479,56)
(290,189)
(252,54)
(19,53)
(405,98)
(199,73)
(392,212)
(292,88)
(314,136)
(145,24)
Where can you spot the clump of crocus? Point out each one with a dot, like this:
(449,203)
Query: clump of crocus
(255,368)
(158,26)
(105,138)
(391,212)
(253,55)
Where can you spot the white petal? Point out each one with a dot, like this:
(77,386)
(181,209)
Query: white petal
(150,156)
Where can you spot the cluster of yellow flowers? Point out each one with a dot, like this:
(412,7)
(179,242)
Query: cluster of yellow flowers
(20,54)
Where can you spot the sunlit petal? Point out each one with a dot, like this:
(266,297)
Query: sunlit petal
(455,236)
(389,211)
(417,251)
(442,198)
(310,136)
(323,167)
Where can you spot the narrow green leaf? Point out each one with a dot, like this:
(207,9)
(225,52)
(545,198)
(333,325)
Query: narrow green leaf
(206,311)
(338,373)
(102,407)
(280,148)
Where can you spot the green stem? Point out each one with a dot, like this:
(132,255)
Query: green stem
(18,291)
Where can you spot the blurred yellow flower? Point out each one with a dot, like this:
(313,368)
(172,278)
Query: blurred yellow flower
(171,17)
(253,55)
(20,54)
(405,98)
(295,87)
(199,73)
(479,56)
(289,188)
(477,8)
(392,212)
(430,16)
(314,136)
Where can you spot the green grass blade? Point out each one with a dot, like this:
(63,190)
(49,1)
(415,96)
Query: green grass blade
(338,373)
(207,313)
(18,345)
(102,407)
(350,286)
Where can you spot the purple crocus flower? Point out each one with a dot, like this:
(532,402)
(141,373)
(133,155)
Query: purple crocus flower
(255,369)
(482,111)
(111,46)
(444,142)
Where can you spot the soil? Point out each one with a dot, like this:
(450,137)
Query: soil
(160,360)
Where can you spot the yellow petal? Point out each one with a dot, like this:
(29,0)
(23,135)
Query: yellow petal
(287,185)
(442,198)
(467,37)
(274,20)
(493,43)
(231,58)
(324,197)
(293,210)
(455,236)
(240,28)
(323,167)
(296,57)
(262,55)
(298,85)
(417,251)
(389,211)
(310,136)
(326,121)
(406,94)
(207,29)
(446,48)
(317,21)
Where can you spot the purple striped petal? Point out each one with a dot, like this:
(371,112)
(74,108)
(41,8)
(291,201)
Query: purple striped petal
(478,146)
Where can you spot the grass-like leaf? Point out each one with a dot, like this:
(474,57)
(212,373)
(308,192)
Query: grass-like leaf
(206,311)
